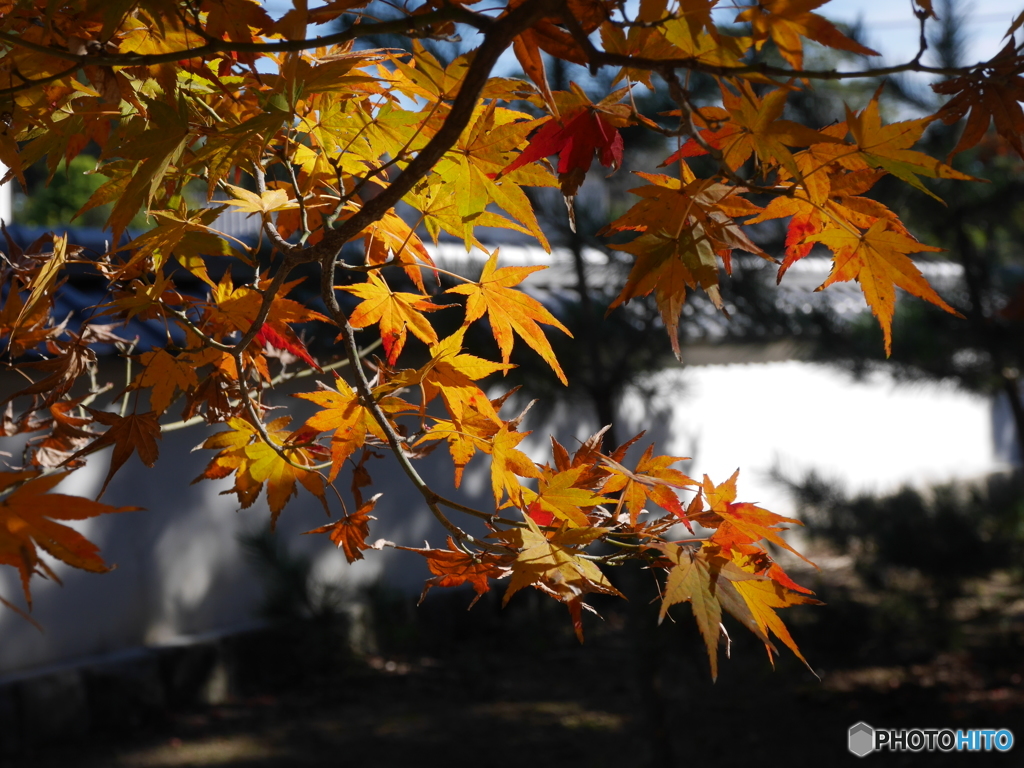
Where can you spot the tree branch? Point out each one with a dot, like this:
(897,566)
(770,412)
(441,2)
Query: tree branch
(407,25)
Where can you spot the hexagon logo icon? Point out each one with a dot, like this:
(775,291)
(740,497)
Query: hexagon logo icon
(861,739)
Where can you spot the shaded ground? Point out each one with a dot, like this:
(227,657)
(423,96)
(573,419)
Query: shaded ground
(499,688)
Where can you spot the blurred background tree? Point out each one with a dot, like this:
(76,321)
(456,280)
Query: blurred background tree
(981,226)
(938,565)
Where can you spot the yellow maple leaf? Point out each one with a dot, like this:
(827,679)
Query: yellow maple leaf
(553,565)
(249,202)
(559,497)
(507,462)
(255,463)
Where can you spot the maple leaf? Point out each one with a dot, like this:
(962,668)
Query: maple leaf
(439,210)
(143,300)
(350,420)
(652,479)
(66,436)
(507,462)
(738,524)
(554,565)
(453,567)
(548,36)
(559,498)
(425,76)
(641,41)
(70,361)
(712,583)
(269,201)
(391,237)
(667,264)
(749,124)
(237,19)
(991,92)
(182,234)
(128,434)
(575,140)
(686,224)
(690,581)
(450,373)
(466,435)
(350,532)
(828,196)
(762,597)
(877,259)
(236,309)
(480,154)
(395,312)
(45,281)
(165,374)
(27,515)
(886,147)
(510,311)
(255,463)
(785,21)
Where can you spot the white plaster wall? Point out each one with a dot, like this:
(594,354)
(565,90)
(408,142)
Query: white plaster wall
(5,197)
(873,435)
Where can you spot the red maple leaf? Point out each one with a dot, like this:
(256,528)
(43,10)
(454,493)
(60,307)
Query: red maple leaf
(575,143)
(268,335)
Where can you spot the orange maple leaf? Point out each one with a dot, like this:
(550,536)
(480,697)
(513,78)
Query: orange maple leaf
(465,436)
(453,567)
(349,418)
(553,565)
(128,434)
(785,21)
(652,479)
(391,237)
(166,374)
(450,373)
(749,124)
(740,524)
(27,515)
(350,532)
(510,310)
(395,312)
(667,264)
(877,259)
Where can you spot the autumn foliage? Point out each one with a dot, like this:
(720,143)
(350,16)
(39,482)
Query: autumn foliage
(297,122)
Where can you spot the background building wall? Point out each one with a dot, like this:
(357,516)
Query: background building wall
(5,197)
(180,570)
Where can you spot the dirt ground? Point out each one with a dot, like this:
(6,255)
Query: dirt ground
(502,688)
